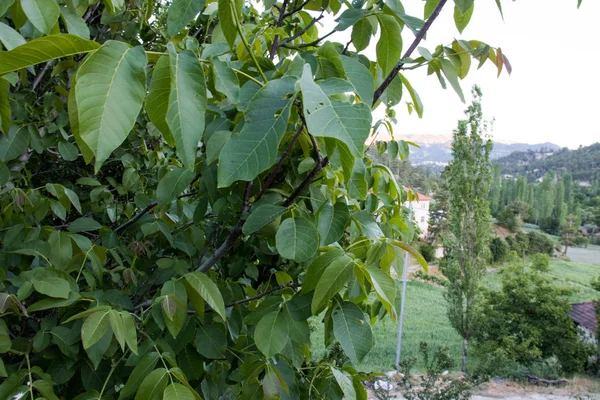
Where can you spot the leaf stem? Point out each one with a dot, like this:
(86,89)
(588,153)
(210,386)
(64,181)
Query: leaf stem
(112,370)
(239,29)
(30,385)
(253,79)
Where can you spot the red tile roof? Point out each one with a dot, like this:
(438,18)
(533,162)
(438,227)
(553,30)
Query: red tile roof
(584,314)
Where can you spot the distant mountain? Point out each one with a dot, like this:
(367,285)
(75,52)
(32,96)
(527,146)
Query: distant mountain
(436,150)
(583,163)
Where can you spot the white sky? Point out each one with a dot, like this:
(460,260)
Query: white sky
(552,94)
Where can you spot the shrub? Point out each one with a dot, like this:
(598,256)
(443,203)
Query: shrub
(498,249)
(430,278)
(541,262)
(427,251)
(540,243)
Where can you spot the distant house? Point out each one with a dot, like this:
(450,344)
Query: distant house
(420,212)
(584,316)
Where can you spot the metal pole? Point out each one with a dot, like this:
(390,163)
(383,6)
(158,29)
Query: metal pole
(401,322)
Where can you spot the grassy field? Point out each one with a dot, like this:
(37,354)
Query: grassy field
(426,319)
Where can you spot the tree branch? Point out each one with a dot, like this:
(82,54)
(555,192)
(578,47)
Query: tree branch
(265,293)
(307,181)
(144,211)
(303,31)
(388,80)
(40,75)
(295,10)
(279,22)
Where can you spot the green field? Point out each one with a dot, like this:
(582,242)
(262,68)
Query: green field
(426,318)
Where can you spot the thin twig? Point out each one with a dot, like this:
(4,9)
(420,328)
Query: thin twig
(388,80)
(295,10)
(286,153)
(307,181)
(303,31)
(41,74)
(278,24)
(316,42)
(263,294)
(144,211)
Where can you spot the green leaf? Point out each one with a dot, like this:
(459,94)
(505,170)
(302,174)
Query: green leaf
(45,389)
(118,327)
(4,174)
(43,14)
(187,104)
(94,327)
(44,49)
(367,225)
(417,256)
(61,250)
(254,149)
(462,19)
(208,290)
(181,13)
(384,287)
(172,184)
(176,391)
(153,386)
(389,46)
(262,216)
(297,239)
(13,145)
(75,24)
(110,90)
(157,102)
(358,185)
(9,37)
(345,383)
(73,198)
(227,8)
(5,110)
(84,224)
(271,385)
(464,5)
(215,145)
(430,5)
(4,6)
(130,331)
(452,76)
(5,342)
(332,222)
(68,151)
(414,95)
(348,18)
(142,368)
(53,287)
(271,333)
(352,330)
(316,268)
(226,80)
(325,117)
(335,276)
(211,341)
(361,34)
(360,77)
(47,304)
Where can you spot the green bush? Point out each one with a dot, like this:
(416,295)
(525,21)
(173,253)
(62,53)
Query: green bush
(427,251)
(498,249)
(540,243)
(541,262)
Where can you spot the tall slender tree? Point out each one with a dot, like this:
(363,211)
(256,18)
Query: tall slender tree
(466,245)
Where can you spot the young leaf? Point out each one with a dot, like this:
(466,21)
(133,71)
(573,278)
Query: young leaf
(325,117)
(176,391)
(271,333)
(153,386)
(43,14)
(297,239)
(94,327)
(44,49)
(414,95)
(187,104)
(172,184)
(254,149)
(157,102)
(389,46)
(384,287)
(110,89)
(462,19)
(181,13)
(352,331)
(335,276)
(208,290)
(261,216)
(332,222)
(464,5)
(452,76)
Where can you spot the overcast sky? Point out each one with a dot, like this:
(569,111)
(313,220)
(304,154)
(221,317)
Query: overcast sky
(553,92)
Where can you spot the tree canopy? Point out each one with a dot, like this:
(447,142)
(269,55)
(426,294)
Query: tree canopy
(184,184)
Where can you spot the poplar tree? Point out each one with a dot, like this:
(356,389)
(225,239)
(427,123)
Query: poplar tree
(466,245)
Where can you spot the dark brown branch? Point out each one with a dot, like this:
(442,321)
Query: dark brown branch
(307,181)
(316,42)
(388,79)
(295,10)
(303,31)
(278,24)
(285,155)
(265,293)
(144,211)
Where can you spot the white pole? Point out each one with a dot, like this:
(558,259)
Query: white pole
(403,298)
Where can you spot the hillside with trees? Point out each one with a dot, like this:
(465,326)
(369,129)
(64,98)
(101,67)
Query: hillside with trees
(582,163)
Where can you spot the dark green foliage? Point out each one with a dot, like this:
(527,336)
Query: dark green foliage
(540,243)
(498,249)
(427,251)
(528,319)
(430,278)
